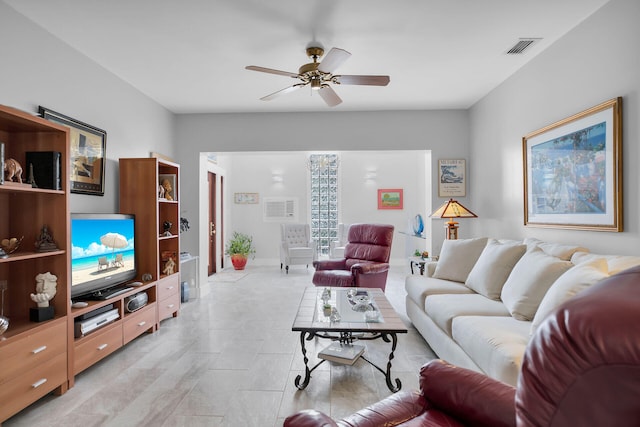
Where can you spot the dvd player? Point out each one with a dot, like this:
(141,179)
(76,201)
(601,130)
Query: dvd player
(83,327)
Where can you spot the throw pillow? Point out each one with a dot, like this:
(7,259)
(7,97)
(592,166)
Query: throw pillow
(569,285)
(563,252)
(529,280)
(493,267)
(458,257)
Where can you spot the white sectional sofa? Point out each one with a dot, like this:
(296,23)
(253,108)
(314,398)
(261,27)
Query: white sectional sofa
(478,305)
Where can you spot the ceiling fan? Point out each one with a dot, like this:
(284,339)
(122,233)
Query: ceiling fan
(319,75)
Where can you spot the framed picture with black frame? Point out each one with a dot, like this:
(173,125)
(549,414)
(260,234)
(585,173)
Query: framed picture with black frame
(87,154)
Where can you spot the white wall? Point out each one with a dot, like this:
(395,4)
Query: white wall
(252,172)
(37,69)
(597,61)
(443,133)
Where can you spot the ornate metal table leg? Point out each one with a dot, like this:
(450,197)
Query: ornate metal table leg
(307,371)
(387,375)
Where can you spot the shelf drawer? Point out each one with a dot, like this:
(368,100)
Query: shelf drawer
(168,286)
(137,323)
(32,384)
(168,306)
(97,346)
(24,354)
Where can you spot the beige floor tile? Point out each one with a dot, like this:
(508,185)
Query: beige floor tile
(230,359)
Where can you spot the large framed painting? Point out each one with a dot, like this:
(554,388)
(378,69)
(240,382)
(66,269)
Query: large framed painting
(88,146)
(573,171)
(452,178)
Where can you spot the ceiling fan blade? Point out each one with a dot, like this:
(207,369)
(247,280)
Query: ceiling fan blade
(271,71)
(333,60)
(329,95)
(282,92)
(363,80)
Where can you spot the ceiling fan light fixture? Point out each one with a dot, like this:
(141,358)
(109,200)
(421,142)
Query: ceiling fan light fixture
(320,75)
(316,83)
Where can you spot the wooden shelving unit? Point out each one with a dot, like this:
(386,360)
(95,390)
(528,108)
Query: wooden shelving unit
(97,345)
(33,355)
(139,195)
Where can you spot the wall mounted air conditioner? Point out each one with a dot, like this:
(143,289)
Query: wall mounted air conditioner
(280,209)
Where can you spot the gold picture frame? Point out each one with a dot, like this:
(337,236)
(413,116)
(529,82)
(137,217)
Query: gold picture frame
(88,147)
(573,171)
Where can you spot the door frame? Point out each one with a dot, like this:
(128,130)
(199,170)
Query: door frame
(205,167)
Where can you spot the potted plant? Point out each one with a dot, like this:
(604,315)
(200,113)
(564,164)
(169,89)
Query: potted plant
(239,247)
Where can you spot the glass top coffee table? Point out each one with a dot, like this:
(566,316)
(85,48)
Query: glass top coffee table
(354,314)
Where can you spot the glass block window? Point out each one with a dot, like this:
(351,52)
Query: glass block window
(323,169)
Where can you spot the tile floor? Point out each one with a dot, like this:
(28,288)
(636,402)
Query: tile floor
(229,359)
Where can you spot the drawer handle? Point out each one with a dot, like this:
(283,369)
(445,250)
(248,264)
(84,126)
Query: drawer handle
(142,323)
(102,347)
(38,383)
(39,349)
(169,287)
(170,305)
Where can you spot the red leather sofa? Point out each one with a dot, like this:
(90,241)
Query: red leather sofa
(581,368)
(366,259)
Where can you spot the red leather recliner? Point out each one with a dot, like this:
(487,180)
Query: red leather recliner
(366,259)
(581,368)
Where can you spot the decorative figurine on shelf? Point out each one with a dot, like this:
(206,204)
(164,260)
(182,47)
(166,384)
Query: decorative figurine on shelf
(45,291)
(167,228)
(166,184)
(45,242)
(160,192)
(12,170)
(31,179)
(169,267)
(184,224)
(4,322)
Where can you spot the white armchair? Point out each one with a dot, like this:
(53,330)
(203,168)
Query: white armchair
(296,246)
(336,247)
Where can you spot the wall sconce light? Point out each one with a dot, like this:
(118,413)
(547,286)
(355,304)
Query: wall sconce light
(277,177)
(370,175)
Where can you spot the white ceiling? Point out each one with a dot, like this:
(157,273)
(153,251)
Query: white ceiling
(189,55)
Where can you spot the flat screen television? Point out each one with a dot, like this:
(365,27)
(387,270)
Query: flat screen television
(103,252)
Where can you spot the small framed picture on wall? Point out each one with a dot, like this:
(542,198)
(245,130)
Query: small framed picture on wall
(390,198)
(452,178)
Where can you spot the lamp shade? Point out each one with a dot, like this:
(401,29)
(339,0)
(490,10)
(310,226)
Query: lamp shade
(453,209)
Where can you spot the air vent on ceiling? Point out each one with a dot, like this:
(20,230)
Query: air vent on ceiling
(521,46)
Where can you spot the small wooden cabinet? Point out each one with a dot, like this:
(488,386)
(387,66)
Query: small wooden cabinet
(100,343)
(33,355)
(157,224)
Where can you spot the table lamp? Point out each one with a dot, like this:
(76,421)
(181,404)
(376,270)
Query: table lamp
(452,209)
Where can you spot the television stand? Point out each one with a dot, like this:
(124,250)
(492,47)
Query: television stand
(109,293)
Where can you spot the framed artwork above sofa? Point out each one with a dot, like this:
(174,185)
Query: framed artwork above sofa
(573,171)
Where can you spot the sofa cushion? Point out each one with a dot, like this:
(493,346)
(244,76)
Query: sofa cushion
(557,250)
(529,280)
(616,263)
(419,287)
(458,257)
(493,267)
(575,280)
(497,344)
(444,308)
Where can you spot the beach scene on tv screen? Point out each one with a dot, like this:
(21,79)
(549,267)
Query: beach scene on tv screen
(100,247)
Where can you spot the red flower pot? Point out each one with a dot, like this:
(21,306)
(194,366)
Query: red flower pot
(238,261)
